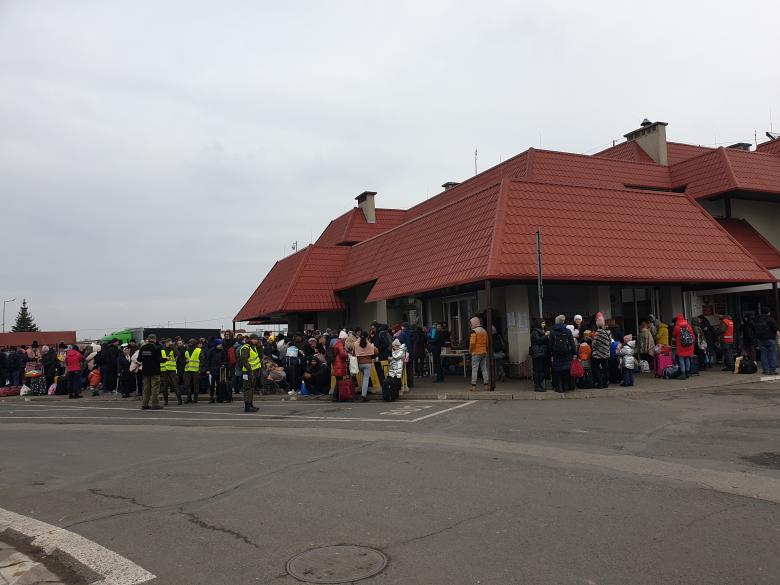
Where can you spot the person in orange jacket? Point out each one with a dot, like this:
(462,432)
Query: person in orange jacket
(727,342)
(478,348)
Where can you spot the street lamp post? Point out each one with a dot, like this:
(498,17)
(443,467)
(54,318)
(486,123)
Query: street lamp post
(4,302)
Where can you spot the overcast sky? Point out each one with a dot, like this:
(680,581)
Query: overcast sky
(157,157)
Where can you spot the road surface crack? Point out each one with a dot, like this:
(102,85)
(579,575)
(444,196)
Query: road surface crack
(103,493)
(449,527)
(195,519)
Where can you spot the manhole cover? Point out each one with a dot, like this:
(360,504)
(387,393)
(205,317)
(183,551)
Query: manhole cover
(336,564)
(765,459)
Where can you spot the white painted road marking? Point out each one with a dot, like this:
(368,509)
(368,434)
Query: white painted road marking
(445,410)
(113,568)
(174,415)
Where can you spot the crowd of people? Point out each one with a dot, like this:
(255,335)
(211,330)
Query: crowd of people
(352,362)
(595,354)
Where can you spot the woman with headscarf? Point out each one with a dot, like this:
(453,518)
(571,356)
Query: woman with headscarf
(49,360)
(338,367)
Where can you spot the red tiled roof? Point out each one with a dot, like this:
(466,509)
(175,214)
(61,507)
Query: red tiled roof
(487,235)
(769,147)
(629,150)
(750,239)
(754,171)
(664,239)
(594,171)
(677,152)
(512,167)
(352,226)
(728,169)
(704,175)
(302,282)
(448,247)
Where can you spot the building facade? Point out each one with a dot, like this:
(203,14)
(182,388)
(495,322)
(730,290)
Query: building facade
(647,226)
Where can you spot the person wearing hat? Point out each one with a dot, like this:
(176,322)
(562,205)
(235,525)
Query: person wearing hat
(193,366)
(251,364)
(151,357)
(338,365)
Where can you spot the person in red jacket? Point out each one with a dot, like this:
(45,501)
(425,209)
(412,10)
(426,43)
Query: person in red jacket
(338,368)
(73,364)
(685,344)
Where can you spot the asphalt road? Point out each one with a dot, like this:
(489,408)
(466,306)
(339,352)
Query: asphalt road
(656,489)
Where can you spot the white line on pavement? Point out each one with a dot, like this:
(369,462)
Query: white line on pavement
(112,567)
(443,411)
(249,417)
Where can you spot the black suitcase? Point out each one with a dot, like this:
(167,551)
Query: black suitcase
(223,392)
(62,386)
(391,389)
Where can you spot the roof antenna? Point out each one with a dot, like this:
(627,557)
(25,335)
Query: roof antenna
(476,152)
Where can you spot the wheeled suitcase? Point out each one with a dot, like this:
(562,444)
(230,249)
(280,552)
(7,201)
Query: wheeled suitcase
(695,368)
(223,392)
(391,389)
(660,363)
(346,389)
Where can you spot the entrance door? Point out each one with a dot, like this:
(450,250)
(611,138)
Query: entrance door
(458,312)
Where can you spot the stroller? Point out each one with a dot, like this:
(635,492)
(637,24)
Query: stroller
(269,386)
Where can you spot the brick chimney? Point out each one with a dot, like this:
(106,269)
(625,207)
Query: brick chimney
(366,203)
(651,137)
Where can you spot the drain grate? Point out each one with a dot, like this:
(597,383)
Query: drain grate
(765,459)
(336,564)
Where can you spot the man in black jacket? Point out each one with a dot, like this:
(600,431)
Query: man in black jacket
(438,337)
(151,356)
(217,358)
(110,361)
(765,328)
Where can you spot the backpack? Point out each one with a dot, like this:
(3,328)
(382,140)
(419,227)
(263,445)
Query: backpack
(686,339)
(747,366)
(560,344)
(231,355)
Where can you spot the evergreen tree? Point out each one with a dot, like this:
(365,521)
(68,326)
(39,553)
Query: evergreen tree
(24,320)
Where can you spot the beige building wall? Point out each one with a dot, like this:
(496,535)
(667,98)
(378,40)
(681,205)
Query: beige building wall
(762,215)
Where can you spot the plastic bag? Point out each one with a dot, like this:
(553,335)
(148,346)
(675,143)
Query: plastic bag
(644,366)
(354,368)
(52,389)
(25,391)
(577,369)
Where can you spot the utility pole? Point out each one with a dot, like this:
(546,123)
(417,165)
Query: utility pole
(539,282)
(4,302)
(476,152)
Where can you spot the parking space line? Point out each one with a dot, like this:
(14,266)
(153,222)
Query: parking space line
(443,411)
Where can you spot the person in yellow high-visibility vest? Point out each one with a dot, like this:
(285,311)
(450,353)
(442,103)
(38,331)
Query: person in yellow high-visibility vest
(251,364)
(169,376)
(193,366)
